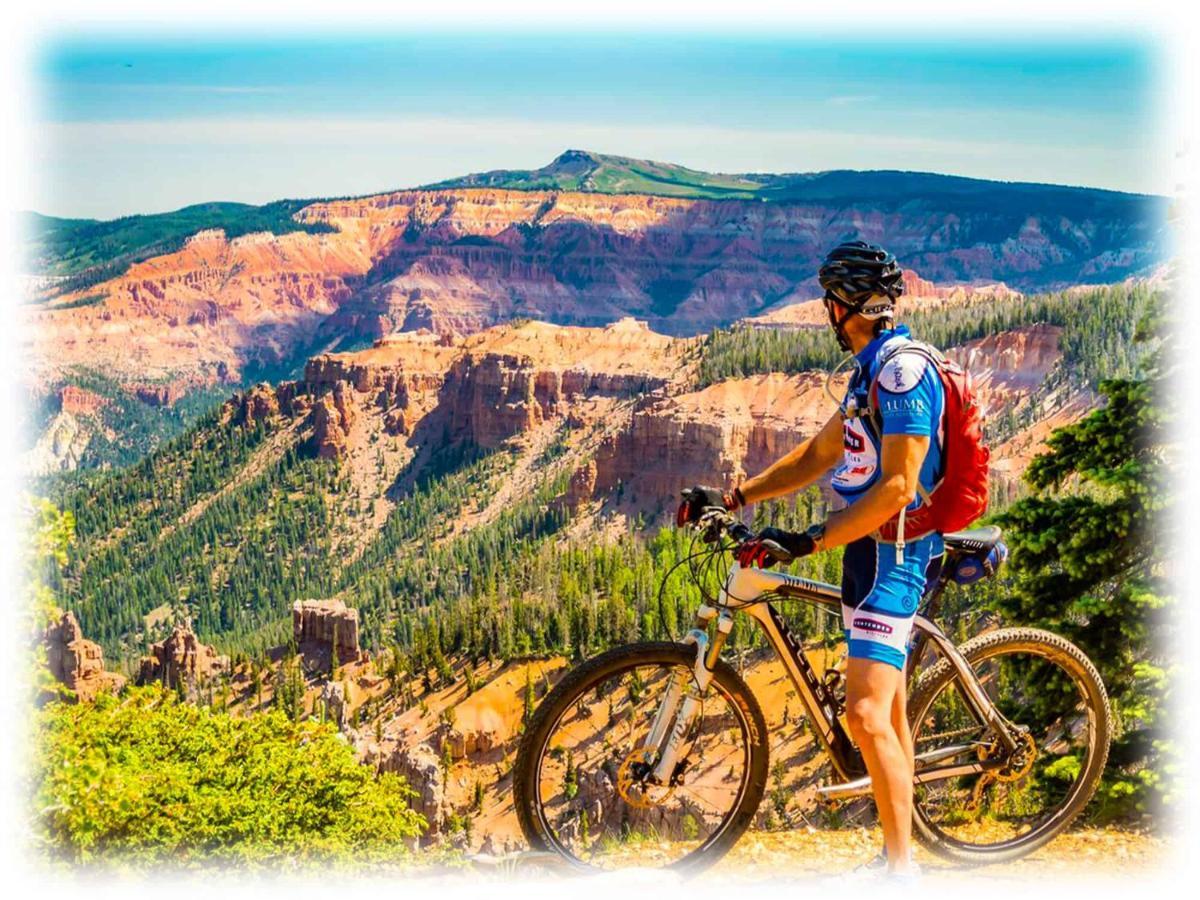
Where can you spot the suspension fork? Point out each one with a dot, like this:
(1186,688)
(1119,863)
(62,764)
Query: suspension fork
(685,695)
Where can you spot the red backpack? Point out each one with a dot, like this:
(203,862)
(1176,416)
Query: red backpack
(960,496)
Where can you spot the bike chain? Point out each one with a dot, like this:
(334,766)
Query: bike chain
(946,735)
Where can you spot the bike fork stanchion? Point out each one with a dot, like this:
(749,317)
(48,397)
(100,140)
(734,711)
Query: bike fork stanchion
(666,710)
(670,702)
(706,659)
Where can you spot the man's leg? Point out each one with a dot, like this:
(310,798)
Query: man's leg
(871,695)
(900,724)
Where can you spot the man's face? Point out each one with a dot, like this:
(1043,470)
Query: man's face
(834,310)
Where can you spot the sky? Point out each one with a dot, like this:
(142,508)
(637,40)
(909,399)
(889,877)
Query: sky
(151,123)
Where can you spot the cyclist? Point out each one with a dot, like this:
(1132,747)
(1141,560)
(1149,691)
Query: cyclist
(882,465)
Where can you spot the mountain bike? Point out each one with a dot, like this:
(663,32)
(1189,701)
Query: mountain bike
(656,754)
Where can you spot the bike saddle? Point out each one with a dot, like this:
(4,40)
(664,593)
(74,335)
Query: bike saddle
(973,540)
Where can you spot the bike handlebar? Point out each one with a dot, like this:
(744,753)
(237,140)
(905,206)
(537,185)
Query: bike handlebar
(719,520)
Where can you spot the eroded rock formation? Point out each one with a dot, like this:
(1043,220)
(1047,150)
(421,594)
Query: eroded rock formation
(327,624)
(717,435)
(333,416)
(422,769)
(77,401)
(180,659)
(77,662)
(624,384)
(337,709)
(260,404)
(464,742)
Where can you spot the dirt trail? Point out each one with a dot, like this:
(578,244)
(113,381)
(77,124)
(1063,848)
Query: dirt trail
(805,852)
(818,857)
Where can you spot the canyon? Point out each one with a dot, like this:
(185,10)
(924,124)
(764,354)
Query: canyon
(619,403)
(222,311)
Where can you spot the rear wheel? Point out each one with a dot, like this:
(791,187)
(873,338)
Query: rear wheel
(1048,691)
(582,788)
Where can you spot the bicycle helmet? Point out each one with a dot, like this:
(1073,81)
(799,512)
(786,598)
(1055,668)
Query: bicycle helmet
(862,279)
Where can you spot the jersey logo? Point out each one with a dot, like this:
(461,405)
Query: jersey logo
(860,459)
(873,625)
(851,440)
(902,373)
(904,405)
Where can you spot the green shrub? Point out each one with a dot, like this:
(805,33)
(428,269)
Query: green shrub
(145,778)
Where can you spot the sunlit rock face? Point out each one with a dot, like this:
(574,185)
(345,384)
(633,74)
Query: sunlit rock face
(459,260)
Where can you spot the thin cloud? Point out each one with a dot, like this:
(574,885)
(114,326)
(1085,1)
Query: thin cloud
(196,88)
(851,99)
(108,168)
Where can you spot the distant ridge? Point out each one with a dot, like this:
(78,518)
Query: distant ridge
(588,172)
(80,252)
(601,173)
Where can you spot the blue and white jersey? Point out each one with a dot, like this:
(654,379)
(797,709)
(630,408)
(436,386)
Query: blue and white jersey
(910,400)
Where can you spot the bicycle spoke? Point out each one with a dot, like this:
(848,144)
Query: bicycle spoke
(1013,801)
(593,784)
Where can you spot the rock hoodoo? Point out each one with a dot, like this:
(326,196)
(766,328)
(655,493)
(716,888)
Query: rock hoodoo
(422,769)
(327,624)
(260,404)
(337,706)
(76,662)
(181,659)
(333,415)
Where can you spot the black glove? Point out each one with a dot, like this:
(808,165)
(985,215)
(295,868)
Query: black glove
(758,550)
(697,498)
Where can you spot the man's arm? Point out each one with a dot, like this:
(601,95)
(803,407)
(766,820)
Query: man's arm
(799,468)
(900,470)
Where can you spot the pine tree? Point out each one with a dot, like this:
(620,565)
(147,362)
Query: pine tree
(477,797)
(528,701)
(1088,553)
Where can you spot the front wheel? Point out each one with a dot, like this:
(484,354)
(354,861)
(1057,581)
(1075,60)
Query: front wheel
(583,788)
(1048,692)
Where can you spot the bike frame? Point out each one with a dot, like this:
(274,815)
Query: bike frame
(745,590)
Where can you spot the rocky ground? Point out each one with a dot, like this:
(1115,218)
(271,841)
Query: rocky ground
(820,856)
(812,852)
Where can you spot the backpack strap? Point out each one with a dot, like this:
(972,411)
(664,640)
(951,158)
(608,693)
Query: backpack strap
(873,421)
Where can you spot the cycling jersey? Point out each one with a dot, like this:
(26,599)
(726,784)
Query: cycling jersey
(910,401)
(880,591)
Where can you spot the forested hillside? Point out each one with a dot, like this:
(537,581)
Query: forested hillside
(1097,341)
(233,521)
(80,252)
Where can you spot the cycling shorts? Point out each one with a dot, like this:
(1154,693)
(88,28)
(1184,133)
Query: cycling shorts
(880,595)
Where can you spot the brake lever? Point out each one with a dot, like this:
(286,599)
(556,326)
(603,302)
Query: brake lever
(710,523)
(777,552)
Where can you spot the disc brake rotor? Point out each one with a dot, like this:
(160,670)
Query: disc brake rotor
(1019,764)
(633,786)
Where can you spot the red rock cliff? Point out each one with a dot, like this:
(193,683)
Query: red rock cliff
(459,260)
